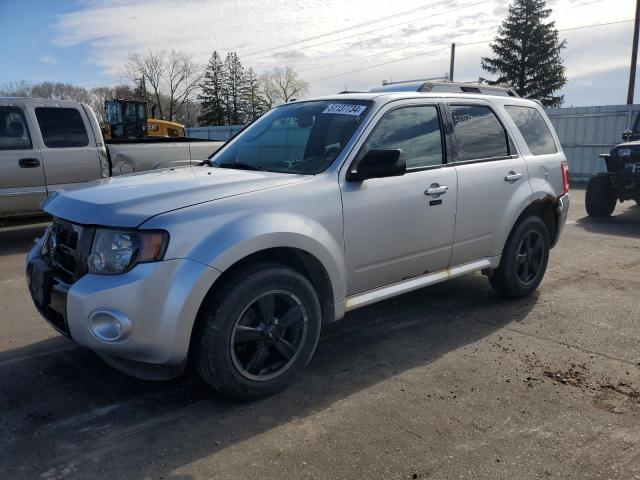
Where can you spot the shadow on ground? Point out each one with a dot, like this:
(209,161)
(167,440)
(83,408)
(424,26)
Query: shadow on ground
(623,224)
(66,411)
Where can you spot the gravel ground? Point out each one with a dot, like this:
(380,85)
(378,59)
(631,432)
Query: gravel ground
(444,383)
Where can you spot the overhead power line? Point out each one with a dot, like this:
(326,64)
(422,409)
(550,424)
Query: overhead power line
(305,47)
(459,45)
(359,25)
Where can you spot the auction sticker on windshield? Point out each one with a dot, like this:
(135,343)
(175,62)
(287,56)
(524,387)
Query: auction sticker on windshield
(345,109)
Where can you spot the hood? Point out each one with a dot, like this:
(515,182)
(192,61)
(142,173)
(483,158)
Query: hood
(129,200)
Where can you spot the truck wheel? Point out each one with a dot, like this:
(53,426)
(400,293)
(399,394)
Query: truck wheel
(258,332)
(524,259)
(601,198)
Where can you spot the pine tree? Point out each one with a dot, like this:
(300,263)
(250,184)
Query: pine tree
(213,96)
(253,102)
(235,83)
(527,53)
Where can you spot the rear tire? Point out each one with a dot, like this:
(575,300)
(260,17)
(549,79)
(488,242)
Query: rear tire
(258,331)
(524,259)
(600,198)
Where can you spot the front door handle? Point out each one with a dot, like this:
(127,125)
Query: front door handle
(29,162)
(512,177)
(436,190)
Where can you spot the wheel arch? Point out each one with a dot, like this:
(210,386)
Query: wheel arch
(544,206)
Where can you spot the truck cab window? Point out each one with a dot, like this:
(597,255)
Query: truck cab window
(62,127)
(14,134)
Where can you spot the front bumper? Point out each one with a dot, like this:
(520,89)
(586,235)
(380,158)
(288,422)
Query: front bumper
(562,210)
(159,299)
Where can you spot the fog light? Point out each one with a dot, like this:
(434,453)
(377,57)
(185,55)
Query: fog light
(109,325)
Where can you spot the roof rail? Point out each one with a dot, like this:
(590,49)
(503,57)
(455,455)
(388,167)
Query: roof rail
(446,87)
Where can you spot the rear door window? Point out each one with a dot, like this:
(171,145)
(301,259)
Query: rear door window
(14,134)
(478,134)
(533,128)
(62,127)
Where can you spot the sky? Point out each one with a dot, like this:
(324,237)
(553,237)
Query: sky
(333,44)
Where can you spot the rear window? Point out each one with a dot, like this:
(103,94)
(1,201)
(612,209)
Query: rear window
(62,127)
(478,133)
(533,128)
(14,134)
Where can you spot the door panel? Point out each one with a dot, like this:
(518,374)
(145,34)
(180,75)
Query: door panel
(484,197)
(70,154)
(491,178)
(391,230)
(401,227)
(22,183)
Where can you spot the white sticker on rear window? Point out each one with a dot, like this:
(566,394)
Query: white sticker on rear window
(345,109)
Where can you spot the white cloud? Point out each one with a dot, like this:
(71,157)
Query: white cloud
(113,28)
(48,59)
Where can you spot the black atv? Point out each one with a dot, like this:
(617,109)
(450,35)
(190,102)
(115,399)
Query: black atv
(621,181)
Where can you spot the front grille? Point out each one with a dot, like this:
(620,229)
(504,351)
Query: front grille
(68,246)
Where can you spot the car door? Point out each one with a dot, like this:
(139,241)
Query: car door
(491,176)
(22,182)
(69,153)
(401,227)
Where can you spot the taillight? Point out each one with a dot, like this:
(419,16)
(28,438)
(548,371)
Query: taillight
(565,176)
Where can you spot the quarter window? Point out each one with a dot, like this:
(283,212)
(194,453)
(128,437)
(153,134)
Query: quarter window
(478,133)
(533,128)
(414,130)
(14,134)
(62,127)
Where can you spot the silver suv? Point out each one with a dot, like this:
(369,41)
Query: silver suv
(318,208)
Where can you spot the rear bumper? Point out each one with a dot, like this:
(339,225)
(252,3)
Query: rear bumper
(562,210)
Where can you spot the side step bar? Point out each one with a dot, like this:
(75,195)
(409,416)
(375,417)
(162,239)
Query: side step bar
(382,293)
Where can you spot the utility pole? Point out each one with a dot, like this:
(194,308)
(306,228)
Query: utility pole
(453,58)
(634,56)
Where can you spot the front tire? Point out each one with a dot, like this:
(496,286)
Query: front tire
(258,331)
(524,259)
(600,198)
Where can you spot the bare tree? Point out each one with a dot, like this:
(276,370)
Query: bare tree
(171,79)
(281,85)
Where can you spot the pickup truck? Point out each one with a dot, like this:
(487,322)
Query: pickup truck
(317,208)
(48,145)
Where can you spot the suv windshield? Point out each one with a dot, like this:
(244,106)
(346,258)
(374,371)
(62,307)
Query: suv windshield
(303,137)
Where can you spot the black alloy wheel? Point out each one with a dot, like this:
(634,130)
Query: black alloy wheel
(268,335)
(530,257)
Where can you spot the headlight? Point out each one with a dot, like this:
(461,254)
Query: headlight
(624,152)
(117,251)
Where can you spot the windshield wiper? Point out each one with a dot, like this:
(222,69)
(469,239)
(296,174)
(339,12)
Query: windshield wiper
(241,166)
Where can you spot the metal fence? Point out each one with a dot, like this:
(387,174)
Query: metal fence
(221,133)
(586,132)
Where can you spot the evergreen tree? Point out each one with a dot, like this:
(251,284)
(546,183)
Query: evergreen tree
(527,53)
(253,102)
(213,97)
(235,83)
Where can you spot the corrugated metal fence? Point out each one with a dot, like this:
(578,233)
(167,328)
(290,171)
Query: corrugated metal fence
(221,133)
(586,132)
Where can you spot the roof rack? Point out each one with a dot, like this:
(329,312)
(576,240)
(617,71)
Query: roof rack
(445,86)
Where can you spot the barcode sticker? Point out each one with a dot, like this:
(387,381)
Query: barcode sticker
(344,109)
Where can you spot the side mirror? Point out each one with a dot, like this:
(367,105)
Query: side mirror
(626,136)
(379,164)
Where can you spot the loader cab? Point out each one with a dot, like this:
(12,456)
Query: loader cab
(126,118)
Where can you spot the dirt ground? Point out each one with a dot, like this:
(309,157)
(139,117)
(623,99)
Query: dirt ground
(444,383)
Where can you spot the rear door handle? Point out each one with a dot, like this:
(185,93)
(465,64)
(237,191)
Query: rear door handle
(29,162)
(512,177)
(436,189)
